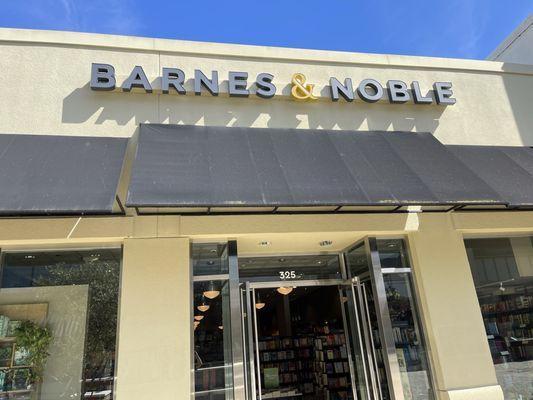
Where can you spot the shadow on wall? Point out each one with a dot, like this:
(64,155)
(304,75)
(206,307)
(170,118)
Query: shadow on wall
(83,104)
(519,92)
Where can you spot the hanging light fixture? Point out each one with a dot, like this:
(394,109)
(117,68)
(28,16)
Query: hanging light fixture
(203,307)
(198,317)
(220,327)
(211,292)
(259,304)
(284,290)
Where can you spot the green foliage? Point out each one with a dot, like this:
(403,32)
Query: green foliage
(35,340)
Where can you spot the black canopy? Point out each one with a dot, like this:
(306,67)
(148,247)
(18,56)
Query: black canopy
(196,166)
(41,174)
(508,170)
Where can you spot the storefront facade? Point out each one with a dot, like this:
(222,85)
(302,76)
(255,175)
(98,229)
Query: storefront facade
(195,220)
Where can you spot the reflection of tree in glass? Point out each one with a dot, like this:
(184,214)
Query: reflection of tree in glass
(102,277)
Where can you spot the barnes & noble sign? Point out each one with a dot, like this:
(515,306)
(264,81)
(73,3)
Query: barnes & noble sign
(240,84)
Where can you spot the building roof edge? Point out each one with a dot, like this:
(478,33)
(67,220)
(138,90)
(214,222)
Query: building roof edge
(509,40)
(239,51)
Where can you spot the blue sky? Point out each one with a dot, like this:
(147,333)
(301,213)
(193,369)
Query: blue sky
(440,28)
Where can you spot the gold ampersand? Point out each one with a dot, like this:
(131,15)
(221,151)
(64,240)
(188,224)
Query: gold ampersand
(301,90)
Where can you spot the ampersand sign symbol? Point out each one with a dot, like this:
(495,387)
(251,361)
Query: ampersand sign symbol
(301,90)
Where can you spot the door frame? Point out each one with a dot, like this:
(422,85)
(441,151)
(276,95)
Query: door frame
(251,342)
(242,355)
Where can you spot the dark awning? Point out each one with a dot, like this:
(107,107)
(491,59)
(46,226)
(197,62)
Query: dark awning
(215,167)
(508,170)
(41,174)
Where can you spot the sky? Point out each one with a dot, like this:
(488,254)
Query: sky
(437,28)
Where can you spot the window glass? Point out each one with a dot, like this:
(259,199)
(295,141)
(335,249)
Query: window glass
(502,269)
(58,323)
(392,253)
(209,258)
(410,349)
(357,261)
(211,323)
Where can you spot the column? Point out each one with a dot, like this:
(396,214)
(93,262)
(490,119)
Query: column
(461,360)
(154,345)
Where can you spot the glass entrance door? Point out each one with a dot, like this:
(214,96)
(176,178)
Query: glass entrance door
(397,351)
(366,381)
(307,340)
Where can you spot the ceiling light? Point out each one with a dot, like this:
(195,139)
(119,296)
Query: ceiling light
(211,292)
(198,317)
(210,262)
(320,262)
(325,243)
(258,303)
(284,290)
(220,327)
(203,307)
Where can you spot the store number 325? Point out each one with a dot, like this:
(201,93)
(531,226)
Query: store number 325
(283,275)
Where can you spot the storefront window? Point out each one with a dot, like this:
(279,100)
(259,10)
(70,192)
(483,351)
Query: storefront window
(410,349)
(211,321)
(58,324)
(502,269)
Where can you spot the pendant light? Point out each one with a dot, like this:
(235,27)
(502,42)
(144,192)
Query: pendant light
(258,303)
(198,317)
(203,307)
(220,327)
(211,292)
(284,290)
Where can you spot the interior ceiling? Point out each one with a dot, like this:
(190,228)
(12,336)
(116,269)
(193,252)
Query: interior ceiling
(296,243)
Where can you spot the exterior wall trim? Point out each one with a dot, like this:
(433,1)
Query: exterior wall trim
(248,52)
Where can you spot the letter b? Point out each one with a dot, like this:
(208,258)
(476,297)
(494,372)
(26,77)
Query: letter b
(398,92)
(102,77)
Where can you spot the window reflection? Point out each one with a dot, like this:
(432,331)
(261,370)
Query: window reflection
(410,349)
(211,323)
(502,269)
(71,297)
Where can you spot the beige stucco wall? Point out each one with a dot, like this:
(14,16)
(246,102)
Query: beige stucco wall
(47,75)
(154,344)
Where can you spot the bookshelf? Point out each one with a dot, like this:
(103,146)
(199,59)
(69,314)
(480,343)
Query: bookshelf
(508,320)
(311,366)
